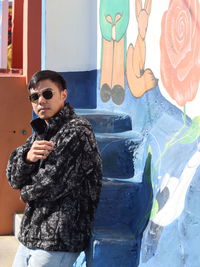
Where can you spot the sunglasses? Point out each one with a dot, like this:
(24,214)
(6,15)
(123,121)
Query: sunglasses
(47,94)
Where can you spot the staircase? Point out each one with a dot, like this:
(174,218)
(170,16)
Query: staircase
(124,206)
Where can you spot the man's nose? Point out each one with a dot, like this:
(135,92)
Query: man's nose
(41,99)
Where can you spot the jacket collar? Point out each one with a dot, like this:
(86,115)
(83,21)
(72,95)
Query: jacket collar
(55,122)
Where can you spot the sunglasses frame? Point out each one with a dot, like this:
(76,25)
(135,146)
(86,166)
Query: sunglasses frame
(48,90)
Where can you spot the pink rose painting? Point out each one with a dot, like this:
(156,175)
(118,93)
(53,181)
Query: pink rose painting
(180,50)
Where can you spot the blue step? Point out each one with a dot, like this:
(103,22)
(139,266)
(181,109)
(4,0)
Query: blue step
(116,205)
(125,205)
(106,122)
(118,153)
(111,249)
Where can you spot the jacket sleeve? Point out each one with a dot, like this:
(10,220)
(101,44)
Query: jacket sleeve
(18,170)
(74,161)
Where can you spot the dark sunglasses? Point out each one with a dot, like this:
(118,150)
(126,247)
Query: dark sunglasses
(47,94)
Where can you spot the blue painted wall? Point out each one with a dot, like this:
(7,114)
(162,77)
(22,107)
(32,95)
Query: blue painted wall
(171,237)
(175,243)
(81,88)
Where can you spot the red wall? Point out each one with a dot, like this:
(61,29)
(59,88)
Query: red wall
(15,112)
(15,109)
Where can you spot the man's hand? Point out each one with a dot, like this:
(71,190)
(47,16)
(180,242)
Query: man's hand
(39,150)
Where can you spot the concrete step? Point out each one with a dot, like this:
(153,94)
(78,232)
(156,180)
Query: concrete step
(125,205)
(117,203)
(8,248)
(118,151)
(111,249)
(106,122)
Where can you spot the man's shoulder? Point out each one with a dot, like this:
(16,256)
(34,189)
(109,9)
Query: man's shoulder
(73,131)
(78,123)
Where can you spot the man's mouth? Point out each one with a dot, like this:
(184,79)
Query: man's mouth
(42,109)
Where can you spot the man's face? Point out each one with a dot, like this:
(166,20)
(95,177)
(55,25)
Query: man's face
(47,108)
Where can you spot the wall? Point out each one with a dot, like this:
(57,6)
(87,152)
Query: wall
(156,85)
(15,109)
(74,24)
(70,47)
(13,133)
(159,87)
(4,37)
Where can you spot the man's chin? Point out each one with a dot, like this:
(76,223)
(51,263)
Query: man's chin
(44,116)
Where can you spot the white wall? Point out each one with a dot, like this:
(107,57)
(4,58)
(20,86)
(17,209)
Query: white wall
(71,37)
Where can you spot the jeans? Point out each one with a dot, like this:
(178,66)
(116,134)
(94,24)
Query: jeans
(26,257)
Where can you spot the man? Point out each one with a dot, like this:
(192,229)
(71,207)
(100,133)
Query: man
(58,171)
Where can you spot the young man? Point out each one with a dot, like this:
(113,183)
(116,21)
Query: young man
(58,171)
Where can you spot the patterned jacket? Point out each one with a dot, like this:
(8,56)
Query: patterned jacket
(62,191)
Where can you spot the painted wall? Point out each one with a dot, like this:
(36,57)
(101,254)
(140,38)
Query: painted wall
(158,85)
(156,81)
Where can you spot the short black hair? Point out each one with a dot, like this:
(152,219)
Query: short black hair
(47,74)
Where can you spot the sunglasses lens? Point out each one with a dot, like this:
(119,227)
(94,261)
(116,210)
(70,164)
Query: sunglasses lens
(33,97)
(47,94)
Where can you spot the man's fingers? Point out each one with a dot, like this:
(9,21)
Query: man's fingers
(41,157)
(42,147)
(44,142)
(41,152)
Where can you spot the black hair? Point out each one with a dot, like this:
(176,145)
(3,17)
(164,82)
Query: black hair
(47,74)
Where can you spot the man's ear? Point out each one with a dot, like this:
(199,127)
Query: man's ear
(64,94)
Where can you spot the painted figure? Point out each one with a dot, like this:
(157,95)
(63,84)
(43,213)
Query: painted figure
(139,79)
(114,18)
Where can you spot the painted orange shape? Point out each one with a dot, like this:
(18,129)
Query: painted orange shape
(180,53)
(140,79)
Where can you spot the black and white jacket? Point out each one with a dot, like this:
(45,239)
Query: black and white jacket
(62,191)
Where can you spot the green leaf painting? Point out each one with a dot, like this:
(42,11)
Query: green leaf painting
(193,133)
(112,8)
(154,209)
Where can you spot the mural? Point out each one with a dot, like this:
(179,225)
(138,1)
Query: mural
(113,22)
(151,84)
(180,42)
(171,236)
(139,79)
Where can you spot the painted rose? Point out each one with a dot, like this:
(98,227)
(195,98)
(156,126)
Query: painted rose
(180,50)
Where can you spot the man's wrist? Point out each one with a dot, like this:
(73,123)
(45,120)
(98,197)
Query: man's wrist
(26,158)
